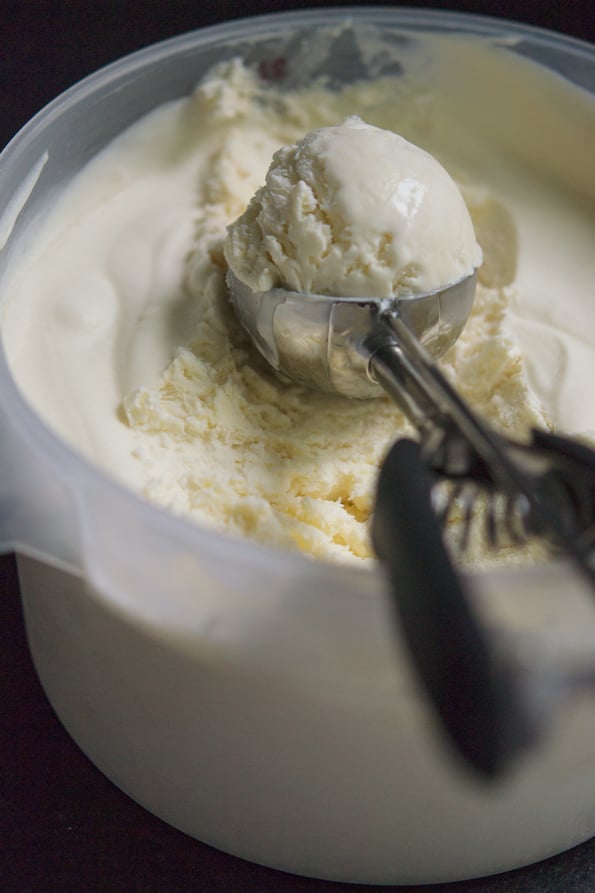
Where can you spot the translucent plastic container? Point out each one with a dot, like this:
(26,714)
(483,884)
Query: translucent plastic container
(258,700)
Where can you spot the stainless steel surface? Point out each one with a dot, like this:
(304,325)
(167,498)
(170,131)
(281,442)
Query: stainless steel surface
(326,342)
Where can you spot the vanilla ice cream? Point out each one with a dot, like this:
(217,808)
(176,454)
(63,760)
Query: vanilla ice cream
(119,329)
(354,211)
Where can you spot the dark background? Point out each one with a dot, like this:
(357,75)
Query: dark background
(63,826)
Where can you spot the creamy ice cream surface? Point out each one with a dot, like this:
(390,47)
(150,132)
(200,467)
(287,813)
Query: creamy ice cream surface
(119,328)
(354,211)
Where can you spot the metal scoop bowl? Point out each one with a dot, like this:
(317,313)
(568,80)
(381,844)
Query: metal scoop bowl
(328,343)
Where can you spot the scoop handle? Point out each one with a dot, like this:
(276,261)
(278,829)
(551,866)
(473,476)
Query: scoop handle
(471,693)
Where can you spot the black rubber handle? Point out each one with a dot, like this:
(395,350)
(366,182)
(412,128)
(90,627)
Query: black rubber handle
(471,694)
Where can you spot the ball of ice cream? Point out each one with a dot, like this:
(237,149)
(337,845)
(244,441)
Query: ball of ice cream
(354,211)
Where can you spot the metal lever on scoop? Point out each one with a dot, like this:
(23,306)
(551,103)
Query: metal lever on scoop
(463,444)
(473,693)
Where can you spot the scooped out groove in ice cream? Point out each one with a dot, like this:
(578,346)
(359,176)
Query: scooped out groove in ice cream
(354,211)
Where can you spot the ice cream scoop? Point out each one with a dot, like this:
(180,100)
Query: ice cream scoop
(354,224)
(289,242)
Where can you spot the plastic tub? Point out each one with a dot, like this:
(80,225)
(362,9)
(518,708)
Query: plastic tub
(257,700)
